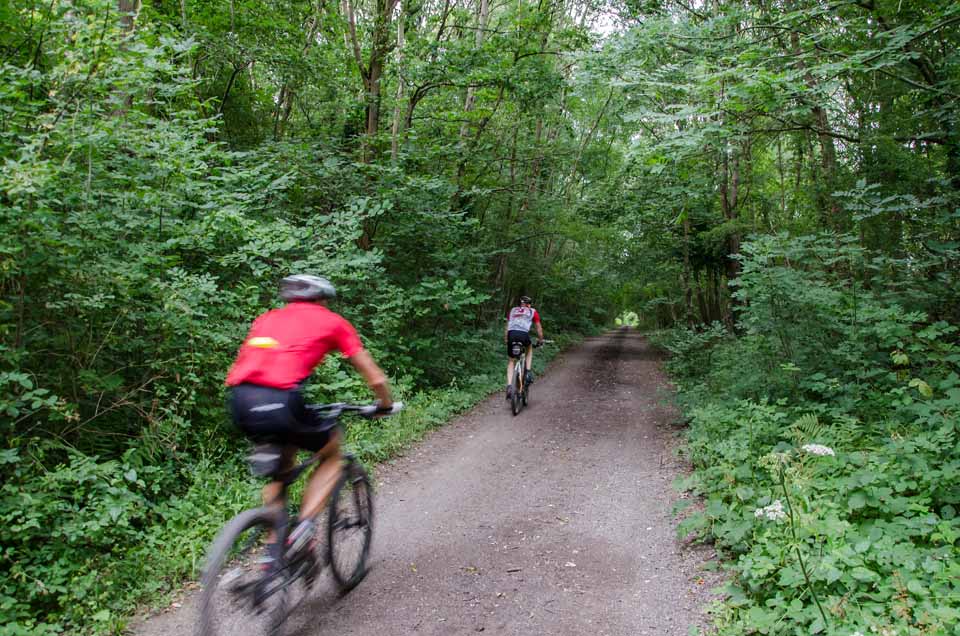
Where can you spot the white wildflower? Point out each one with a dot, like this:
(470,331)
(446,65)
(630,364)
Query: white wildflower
(856,634)
(773,512)
(774,462)
(818,449)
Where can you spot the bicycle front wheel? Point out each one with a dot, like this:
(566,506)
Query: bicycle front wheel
(239,595)
(350,527)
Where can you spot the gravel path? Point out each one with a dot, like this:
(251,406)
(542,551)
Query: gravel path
(556,521)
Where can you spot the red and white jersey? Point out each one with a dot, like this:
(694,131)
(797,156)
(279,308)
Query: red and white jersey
(522,318)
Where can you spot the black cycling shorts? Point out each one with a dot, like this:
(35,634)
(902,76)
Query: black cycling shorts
(522,337)
(274,416)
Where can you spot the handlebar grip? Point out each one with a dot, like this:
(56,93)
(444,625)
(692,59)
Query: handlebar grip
(372,410)
(395,408)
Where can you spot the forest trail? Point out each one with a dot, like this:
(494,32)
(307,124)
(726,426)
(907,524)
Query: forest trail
(556,521)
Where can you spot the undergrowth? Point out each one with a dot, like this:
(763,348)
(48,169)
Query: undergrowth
(824,440)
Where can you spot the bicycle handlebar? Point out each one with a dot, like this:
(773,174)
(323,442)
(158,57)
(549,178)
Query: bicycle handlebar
(369,411)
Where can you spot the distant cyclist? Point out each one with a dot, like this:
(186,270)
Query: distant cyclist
(283,348)
(519,321)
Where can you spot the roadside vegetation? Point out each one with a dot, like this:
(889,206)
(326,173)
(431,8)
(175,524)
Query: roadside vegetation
(824,441)
(774,185)
(805,179)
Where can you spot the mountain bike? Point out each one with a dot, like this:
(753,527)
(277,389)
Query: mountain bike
(521,381)
(238,593)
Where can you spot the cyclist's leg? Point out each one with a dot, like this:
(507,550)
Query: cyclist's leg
(273,492)
(511,362)
(321,482)
(262,415)
(323,478)
(273,496)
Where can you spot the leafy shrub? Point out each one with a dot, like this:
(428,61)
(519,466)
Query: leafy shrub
(862,538)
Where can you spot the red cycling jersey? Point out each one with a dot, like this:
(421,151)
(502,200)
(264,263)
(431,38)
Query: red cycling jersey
(285,345)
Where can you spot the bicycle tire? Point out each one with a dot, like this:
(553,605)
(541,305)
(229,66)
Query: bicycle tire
(526,393)
(515,404)
(235,592)
(350,527)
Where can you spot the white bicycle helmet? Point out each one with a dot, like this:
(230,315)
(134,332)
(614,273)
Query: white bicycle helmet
(306,287)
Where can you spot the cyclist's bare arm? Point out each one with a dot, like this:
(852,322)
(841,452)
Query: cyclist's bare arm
(539,331)
(376,379)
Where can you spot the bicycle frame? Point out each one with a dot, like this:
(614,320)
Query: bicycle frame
(519,366)
(230,575)
(264,462)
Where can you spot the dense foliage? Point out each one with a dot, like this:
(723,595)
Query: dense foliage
(826,446)
(797,188)
(165,163)
(778,179)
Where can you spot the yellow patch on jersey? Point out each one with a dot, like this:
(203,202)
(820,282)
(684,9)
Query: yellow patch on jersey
(262,342)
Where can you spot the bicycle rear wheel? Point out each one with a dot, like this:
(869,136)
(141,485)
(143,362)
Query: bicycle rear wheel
(515,400)
(350,527)
(238,595)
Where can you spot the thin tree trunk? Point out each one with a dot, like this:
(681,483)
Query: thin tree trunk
(482,15)
(583,144)
(534,168)
(729,190)
(687,274)
(828,154)
(701,300)
(129,11)
(289,90)
(395,133)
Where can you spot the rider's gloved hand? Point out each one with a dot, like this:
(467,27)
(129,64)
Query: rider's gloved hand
(387,409)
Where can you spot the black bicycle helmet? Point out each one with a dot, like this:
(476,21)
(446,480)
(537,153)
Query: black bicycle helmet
(525,299)
(306,287)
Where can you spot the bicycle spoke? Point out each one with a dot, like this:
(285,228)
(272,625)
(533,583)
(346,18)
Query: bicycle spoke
(349,530)
(239,593)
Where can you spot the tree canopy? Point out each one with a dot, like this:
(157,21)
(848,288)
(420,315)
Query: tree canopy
(770,167)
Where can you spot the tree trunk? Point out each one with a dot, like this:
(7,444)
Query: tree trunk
(687,273)
(289,90)
(729,191)
(395,133)
(828,154)
(371,74)
(483,15)
(129,10)
(702,281)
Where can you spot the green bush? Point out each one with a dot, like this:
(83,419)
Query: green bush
(826,445)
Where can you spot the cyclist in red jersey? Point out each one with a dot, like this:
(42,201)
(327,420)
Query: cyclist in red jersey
(519,321)
(280,352)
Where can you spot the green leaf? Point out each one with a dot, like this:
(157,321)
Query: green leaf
(916,587)
(863,574)
(857,500)
(922,387)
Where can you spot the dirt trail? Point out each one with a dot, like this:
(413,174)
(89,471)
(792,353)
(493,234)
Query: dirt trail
(553,522)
